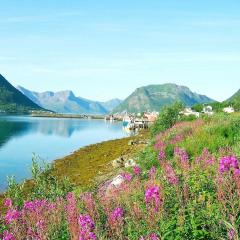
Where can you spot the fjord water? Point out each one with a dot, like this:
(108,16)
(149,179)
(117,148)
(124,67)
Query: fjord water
(49,138)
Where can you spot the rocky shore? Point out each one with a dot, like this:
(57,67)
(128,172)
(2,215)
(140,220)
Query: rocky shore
(93,164)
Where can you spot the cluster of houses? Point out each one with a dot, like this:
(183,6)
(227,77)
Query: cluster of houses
(144,120)
(139,121)
(135,121)
(208,110)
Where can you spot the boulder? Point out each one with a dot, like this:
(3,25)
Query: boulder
(130,143)
(114,183)
(119,162)
(129,163)
(117,181)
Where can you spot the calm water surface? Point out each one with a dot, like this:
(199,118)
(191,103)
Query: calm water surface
(49,138)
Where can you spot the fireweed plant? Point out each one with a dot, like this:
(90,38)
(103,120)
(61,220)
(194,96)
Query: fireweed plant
(186,185)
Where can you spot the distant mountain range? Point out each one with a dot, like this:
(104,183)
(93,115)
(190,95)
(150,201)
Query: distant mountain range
(154,97)
(67,102)
(12,100)
(148,98)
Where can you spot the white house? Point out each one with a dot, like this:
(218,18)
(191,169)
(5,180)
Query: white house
(189,112)
(228,109)
(208,110)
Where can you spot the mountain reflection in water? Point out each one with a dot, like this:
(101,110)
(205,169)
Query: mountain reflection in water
(50,138)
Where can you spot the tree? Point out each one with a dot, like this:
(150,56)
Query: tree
(167,118)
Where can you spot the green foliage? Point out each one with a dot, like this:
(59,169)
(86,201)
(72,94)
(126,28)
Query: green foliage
(219,131)
(44,185)
(198,107)
(167,118)
(148,158)
(15,191)
(187,118)
(202,217)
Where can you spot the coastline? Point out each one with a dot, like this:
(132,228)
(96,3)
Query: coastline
(90,165)
(58,115)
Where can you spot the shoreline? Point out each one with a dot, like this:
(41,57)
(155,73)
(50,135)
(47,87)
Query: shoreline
(89,165)
(92,164)
(59,115)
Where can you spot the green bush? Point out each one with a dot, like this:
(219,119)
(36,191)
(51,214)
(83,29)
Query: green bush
(43,185)
(167,118)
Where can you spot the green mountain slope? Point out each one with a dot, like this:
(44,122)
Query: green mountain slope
(154,97)
(235,97)
(12,100)
(234,101)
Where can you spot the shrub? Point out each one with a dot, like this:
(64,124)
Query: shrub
(167,118)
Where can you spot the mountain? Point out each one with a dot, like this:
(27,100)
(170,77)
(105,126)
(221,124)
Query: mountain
(12,100)
(67,102)
(111,104)
(154,97)
(234,97)
(234,101)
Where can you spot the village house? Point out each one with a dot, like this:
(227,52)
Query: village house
(228,110)
(189,112)
(208,110)
(151,117)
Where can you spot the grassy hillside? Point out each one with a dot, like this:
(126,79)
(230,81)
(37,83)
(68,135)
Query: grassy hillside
(186,185)
(155,97)
(12,100)
(233,101)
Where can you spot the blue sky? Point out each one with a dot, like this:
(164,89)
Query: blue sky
(106,49)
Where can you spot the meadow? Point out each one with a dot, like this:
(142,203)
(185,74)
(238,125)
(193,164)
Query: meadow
(186,185)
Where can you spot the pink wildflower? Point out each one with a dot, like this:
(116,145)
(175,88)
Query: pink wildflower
(86,228)
(152,172)
(170,174)
(182,156)
(12,215)
(205,158)
(161,155)
(231,234)
(8,236)
(137,170)
(153,197)
(116,221)
(90,205)
(153,236)
(227,163)
(8,203)
(237,172)
(117,213)
(72,215)
(127,176)
(159,145)
(176,139)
